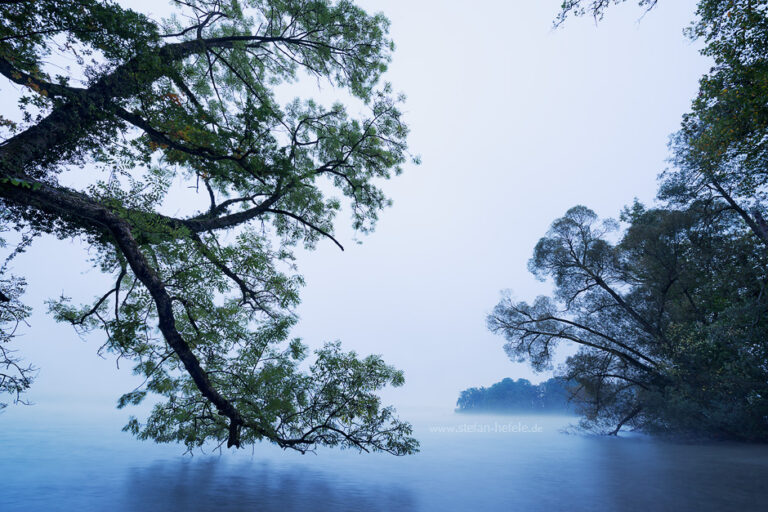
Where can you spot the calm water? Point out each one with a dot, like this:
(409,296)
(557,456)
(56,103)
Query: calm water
(51,462)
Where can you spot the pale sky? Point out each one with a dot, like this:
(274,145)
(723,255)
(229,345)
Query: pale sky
(515,123)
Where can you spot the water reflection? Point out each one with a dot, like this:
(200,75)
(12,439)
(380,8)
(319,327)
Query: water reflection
(213,484)
(642,474)
(58,467)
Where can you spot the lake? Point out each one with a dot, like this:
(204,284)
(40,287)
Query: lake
(58,461)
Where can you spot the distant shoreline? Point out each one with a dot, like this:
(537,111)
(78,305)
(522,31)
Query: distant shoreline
(517,412)
(511,396)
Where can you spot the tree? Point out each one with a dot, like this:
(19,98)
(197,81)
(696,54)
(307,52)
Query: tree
(670,322)
(594,8)
(721,150)
(516,396)
(145,103)
(15,378)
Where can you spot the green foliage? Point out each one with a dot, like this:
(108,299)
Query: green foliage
(336,396)
(15,377)
(721,148)
(670,322)
(203,304)
(16,182)
(594,8)
(517,396)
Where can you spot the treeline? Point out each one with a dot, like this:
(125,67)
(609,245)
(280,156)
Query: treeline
(670,317)
(519,395)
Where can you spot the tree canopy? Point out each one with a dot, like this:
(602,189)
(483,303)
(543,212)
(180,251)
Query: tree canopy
(669,322)
(119,116)
(669,313)
(509,395)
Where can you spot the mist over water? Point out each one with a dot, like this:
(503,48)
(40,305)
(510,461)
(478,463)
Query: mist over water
(467,462)
(516,123)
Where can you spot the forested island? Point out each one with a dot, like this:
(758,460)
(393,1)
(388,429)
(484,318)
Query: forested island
(519,395)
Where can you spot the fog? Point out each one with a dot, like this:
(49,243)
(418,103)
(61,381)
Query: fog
(515,122)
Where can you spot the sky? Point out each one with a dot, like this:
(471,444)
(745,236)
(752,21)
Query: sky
(515,123)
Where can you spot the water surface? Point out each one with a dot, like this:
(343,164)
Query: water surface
(467,462)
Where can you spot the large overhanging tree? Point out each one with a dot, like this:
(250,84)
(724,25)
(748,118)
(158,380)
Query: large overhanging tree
(202,303)
(721,150)
(670,323)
